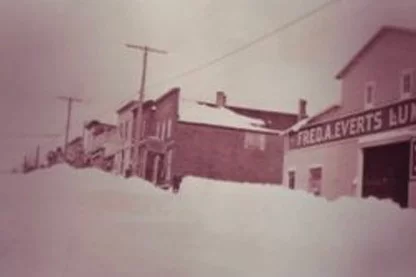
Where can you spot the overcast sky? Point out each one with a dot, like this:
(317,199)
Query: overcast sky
(50,48)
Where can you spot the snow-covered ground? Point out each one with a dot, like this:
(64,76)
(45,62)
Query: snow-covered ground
(62,222)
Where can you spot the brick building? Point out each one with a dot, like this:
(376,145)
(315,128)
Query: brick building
(364,145)
(213,140)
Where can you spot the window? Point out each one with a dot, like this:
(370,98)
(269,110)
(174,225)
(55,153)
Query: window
(315,180)
(292,179)
(143,130)
(157,129)
(169,128)
(255,141)
(369,95)
(163,132)
(122,162)
(120,129)
(126,130)
(407,83)
(131,153)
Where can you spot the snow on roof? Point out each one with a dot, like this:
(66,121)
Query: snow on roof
(99,225)
(300,124)
(194,112)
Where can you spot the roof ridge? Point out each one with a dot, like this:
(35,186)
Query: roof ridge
(370,42)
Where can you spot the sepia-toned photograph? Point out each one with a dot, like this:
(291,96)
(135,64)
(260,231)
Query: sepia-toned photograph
(208,138)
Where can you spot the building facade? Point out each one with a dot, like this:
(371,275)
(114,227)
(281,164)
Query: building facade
(75,154)
(180,137)
(364,145)
(100,144)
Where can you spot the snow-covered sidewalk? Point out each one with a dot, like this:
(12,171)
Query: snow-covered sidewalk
(62,222)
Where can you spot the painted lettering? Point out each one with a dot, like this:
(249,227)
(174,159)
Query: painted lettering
(369,118)
(328,132)
(353,122)
(344,127)
(378,120)
(403,114)
(360,125)
(392,118)
(337,133)
(319,132)
(312,136)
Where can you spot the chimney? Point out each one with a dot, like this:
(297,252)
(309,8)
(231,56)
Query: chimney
(302,109)
(221,100)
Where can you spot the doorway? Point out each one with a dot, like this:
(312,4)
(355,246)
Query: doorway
(386,172)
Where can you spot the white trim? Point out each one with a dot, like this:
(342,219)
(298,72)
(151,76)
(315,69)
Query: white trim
(360,173)
(315,166)
(411,72)
(369,105)
(387,137)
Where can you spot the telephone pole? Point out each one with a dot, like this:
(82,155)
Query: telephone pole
(69,101)
(138,123)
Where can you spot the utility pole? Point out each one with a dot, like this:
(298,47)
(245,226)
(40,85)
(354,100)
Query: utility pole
(138,123)
(69,100)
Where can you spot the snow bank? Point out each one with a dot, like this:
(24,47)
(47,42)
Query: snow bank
(193,112)
(62,222)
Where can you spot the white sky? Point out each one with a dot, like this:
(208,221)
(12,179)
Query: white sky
(51,48)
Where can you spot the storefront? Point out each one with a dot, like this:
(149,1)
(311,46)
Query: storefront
(367,154)
(155,161)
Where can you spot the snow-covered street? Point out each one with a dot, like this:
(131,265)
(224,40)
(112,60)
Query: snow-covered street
(62,222)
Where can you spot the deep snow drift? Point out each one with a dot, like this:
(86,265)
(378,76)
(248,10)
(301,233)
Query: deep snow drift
(62,222)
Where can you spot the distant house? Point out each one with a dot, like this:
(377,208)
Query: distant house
(75,154)
(181,137)
(364,146)
(127,125)
(101,140)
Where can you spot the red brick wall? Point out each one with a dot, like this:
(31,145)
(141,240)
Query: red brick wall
(166,108)
(219,153)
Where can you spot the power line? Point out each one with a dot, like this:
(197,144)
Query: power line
(29,136)
(243,47)
(69,100)
(250,43)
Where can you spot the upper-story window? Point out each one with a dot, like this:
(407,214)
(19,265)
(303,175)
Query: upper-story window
(169,128)
(144,125)
(163,132)
(158,129)
(255,141)
(120,129)
(126,129)
(407,83)
(369,95)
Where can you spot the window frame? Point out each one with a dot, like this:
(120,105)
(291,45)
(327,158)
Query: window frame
(411,73)
(289,172)
(254,141)
(369,105)
(311,186)
(169,128)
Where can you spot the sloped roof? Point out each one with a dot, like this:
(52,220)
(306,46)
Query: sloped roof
(199,113)
(127,106)
(304,122)
(94,122)
(383,30)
